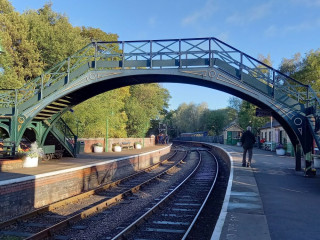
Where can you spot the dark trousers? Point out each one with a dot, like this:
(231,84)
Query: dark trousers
(245,155)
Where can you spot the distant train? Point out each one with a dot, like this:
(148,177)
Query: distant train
(194,134)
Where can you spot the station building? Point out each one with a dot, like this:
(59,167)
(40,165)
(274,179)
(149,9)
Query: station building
(272,134)
(232,133)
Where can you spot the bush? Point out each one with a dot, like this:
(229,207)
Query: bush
(280,146)
(97,144)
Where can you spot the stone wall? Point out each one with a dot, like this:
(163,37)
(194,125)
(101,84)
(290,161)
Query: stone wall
(29,192)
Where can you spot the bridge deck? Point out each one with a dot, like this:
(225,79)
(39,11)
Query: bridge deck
(270,200)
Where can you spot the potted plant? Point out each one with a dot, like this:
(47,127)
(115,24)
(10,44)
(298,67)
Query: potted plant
(137,145)
(97,147)
(116,147)
(280,150)
(30,156)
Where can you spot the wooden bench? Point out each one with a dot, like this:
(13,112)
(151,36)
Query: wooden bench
(127,145)
(7,147)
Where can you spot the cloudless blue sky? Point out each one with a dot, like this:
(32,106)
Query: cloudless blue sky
(280,28)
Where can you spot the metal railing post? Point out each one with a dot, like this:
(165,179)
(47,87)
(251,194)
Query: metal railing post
(273,83)
(41,89)
(123,57)
(151,54)
(241,65)
(180,63)
(68,70)
(210,59)
(95,55)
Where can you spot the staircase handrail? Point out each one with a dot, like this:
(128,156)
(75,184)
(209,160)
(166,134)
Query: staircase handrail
(69,137)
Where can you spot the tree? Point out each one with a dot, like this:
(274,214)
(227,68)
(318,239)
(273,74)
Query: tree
(54,36)
(22,59)
(291,66)
(188,117)
(306,70)
(247,117)
(89,118)
(309,71)
(146,102)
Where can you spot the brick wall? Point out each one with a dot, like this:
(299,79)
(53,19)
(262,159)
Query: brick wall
(90,141)
(34,192)
(7,164)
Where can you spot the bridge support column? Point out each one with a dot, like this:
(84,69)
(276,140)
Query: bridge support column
(308,161)
(13,135)
(298,156)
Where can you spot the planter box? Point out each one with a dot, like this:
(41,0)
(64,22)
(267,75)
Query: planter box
(316,162)
(98,149)
(280,151)
(138,146)
(117,149)
(30,162)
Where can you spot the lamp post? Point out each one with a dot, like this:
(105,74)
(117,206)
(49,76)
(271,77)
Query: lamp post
(107,135)
(107,132)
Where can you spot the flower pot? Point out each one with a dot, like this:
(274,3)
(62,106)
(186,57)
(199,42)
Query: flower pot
(97,149)
(280,151)
(316,162)
(117,148)
(138,146)
(30,162)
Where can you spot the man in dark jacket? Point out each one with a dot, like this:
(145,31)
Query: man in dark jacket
(247,140)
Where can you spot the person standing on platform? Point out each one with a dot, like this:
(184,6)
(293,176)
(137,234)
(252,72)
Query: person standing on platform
(247,140)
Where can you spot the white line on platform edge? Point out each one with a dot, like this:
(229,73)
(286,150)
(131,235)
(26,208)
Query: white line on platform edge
(222,217)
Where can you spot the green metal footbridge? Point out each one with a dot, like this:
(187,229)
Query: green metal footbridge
(102,66)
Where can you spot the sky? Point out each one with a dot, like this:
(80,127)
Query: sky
(279,28)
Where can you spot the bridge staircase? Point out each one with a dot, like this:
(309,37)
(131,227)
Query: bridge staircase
(67,140)
(47,97)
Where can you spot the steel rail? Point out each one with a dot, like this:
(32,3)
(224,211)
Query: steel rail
(48,232)
(123,234)
(205,200)
(81,195)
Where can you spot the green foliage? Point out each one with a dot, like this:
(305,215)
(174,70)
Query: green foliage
(215,121)
(247,117)
(194,118)
(146,102)
(89,118)
(309,71)
(305,70)
(21,62)
(96,34)
(55,37)
(38,39)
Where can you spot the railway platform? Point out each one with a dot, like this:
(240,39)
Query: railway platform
(31,188)
(270,200)
(64,163)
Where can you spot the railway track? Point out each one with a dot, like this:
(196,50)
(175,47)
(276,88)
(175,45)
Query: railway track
(45,222)
(175,215)
(106,212)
